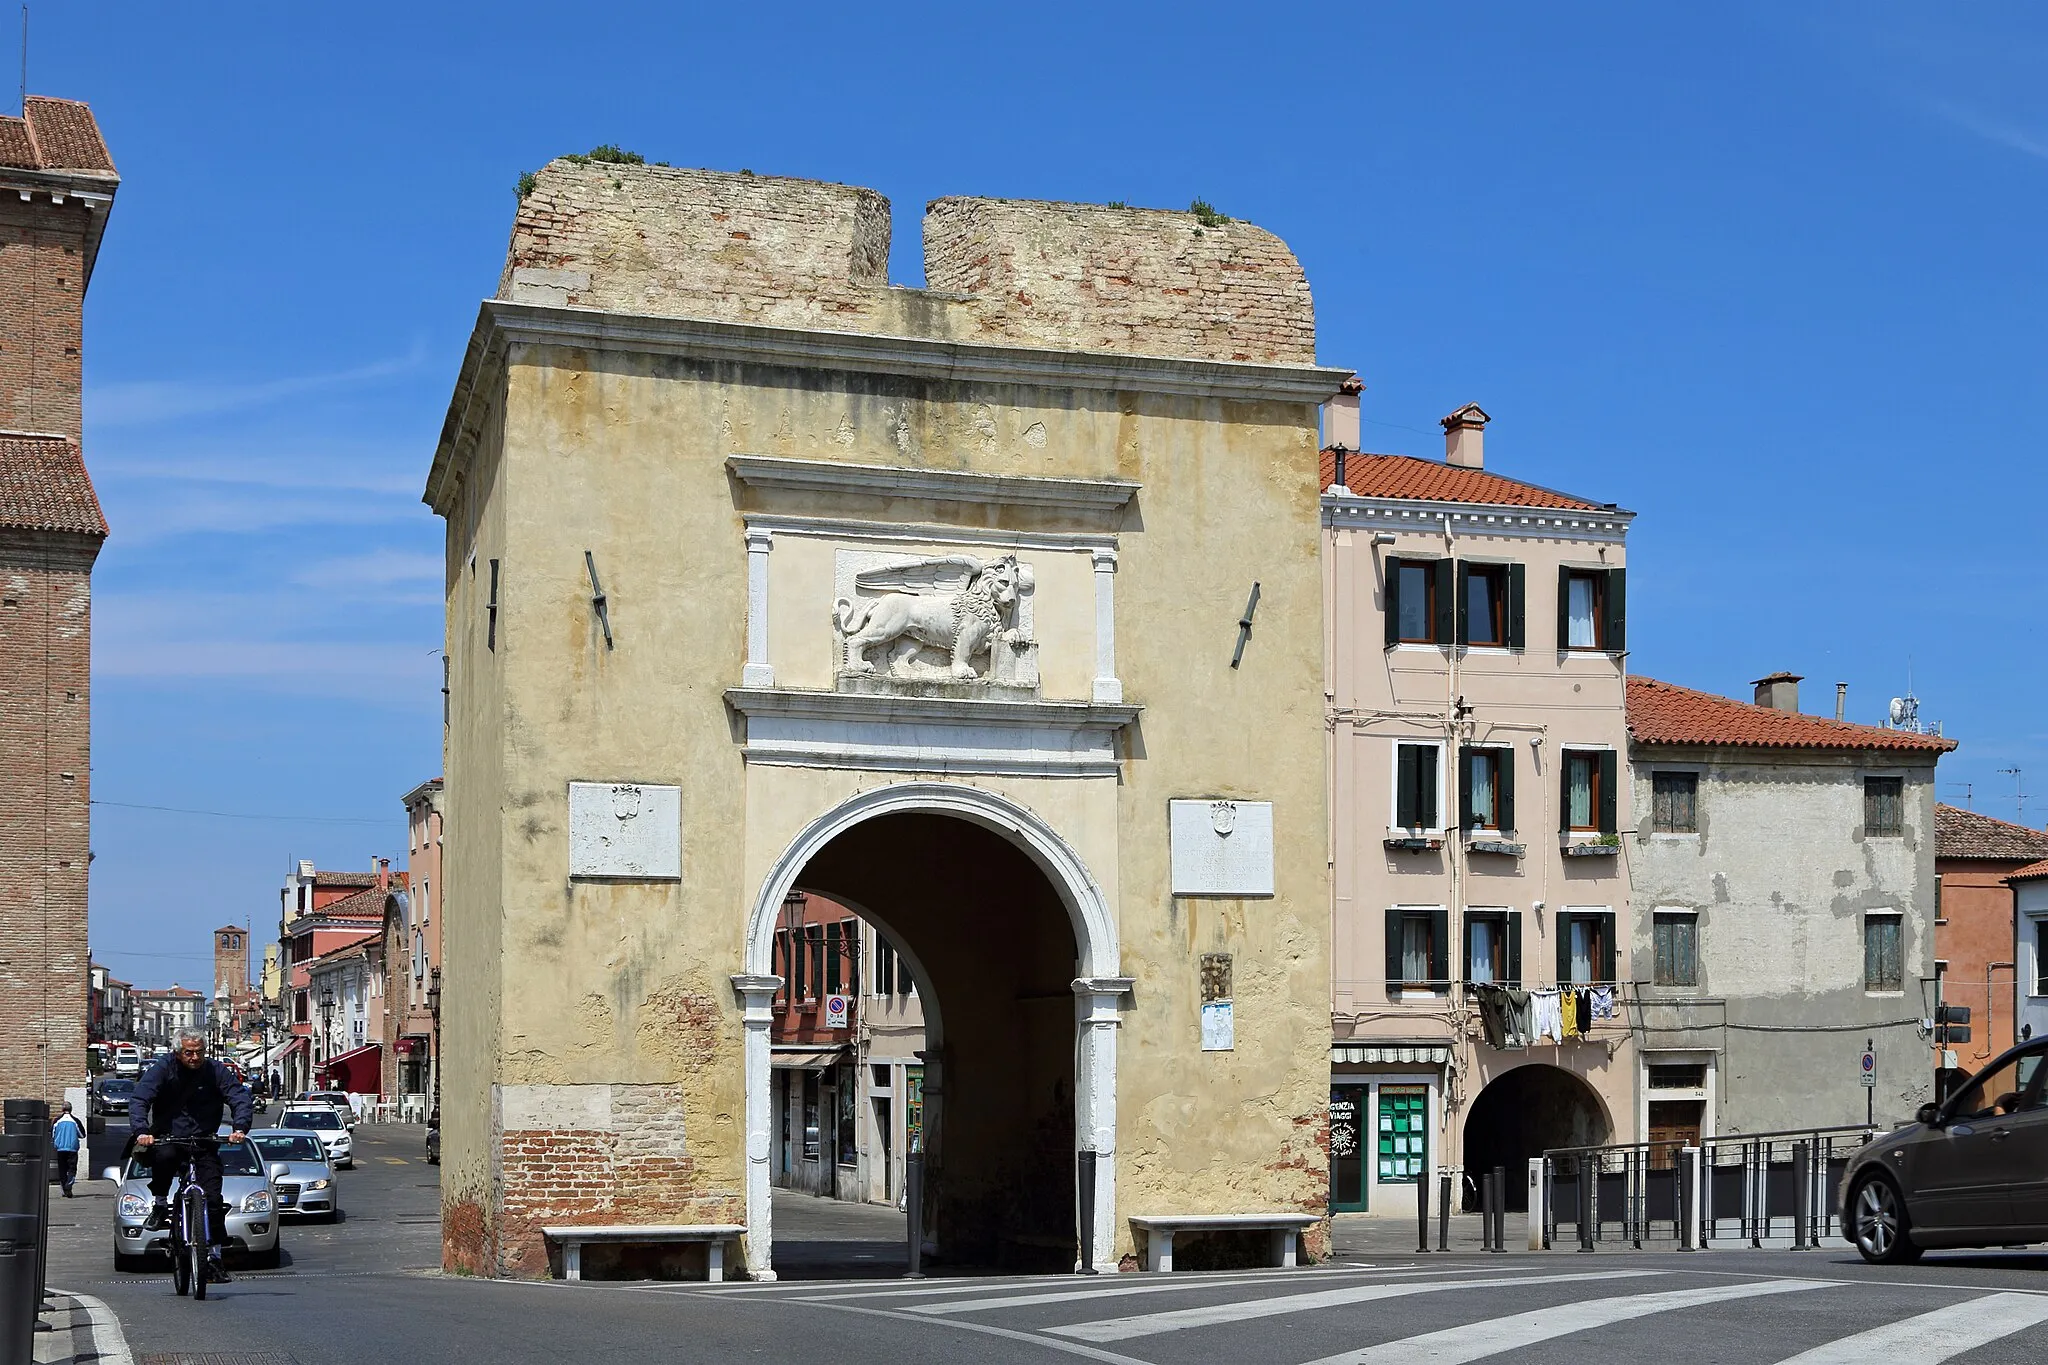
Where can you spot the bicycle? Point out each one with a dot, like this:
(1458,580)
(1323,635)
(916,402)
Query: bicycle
(190,1237)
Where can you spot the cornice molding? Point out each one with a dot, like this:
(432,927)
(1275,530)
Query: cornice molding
(941,485)
(915,533)
(902,733)
(1349,511)
(501,322)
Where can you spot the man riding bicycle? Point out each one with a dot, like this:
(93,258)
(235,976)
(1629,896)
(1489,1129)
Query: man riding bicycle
(181,1096)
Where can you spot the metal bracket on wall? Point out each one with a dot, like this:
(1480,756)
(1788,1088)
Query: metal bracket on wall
(1244,626)
(597,598)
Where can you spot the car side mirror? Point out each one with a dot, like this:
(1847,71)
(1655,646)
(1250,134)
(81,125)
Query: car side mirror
(111,1173)
(1927,1113)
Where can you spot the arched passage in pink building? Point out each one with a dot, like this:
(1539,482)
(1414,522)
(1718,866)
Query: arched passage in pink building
(1524,1113)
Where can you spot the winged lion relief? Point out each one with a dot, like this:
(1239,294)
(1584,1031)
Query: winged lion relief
(954,617)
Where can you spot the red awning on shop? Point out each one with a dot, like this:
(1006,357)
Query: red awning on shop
(360,1072)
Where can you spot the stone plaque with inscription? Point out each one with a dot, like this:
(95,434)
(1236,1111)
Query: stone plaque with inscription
(625,830)
(1221,848)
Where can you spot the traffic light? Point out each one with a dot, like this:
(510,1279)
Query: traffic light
(1951,1025)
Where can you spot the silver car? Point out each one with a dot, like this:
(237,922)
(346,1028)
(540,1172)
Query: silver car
(252,1220)
(322,1122)
(300,1173)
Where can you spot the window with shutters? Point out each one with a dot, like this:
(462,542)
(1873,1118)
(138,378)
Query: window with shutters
(1493,947)
(1486,789)
(1490,605)
(1590,610)
(1587,803)
(1421,607)
(1416,786)
(1884,807)
(2041,957)
(1585,947)
(1675,948)
(1674,803)
(1884,965)
(1418,950)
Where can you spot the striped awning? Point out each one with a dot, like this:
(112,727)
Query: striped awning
(1366,1054)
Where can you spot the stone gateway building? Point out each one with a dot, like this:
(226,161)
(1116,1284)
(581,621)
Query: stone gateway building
(991,611)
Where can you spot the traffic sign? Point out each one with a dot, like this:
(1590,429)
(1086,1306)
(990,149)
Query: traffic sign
(837,1010)
(1870,1069)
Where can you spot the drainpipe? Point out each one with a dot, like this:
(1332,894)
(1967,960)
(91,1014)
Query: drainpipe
(1991,1001)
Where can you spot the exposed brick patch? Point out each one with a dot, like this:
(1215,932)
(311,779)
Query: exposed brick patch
(464,1239)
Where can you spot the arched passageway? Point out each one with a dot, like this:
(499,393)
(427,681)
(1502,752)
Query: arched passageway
(997,920)
(1523,1113)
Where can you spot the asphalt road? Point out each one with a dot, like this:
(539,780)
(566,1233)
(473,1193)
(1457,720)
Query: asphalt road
(367,1290)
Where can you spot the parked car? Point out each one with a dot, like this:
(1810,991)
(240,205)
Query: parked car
(252,1222)
(1971,1171)
(110,1095)
(434,1138)
(321,1121)
(300,1173)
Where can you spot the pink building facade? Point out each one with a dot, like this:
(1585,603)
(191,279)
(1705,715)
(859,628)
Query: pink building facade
(1476,662)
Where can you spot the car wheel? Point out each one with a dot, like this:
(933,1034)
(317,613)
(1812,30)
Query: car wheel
(1878,1223)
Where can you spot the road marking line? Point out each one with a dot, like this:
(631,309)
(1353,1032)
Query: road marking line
(1162,1285)
(104,1328)
(1934,1336)
(809,1290)
(1517,1331)
(395,1161)
(1211,1315)
(985,1329)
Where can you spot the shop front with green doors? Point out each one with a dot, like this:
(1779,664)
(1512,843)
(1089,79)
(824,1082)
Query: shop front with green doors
(1349,1105)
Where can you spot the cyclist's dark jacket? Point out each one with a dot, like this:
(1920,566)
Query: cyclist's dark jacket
(170,1101)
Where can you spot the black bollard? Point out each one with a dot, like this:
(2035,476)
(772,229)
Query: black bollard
(19,1305)
(1688,1164)
(1087,1183)
(1422,1215)
(1588,1176)
(913,1201)
(1498,1229)
(1802,1181)
(1443,1209)
(27,1124)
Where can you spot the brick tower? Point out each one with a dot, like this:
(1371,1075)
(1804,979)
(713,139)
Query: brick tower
(57,184)
(231,964)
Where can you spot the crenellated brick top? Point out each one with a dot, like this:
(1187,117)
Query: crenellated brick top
(1140,281)
(803,253)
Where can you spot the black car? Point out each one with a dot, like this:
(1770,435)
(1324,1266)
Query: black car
(434,1139)
(1971,1171)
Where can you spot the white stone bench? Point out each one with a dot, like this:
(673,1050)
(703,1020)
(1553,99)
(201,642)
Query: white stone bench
(713,1235)
(1159,1230)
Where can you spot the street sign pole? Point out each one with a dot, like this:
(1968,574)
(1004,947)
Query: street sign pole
(1869,1083)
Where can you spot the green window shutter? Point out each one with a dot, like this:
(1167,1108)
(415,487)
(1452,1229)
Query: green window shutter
(1518,602)
(1561,928)
(1426,786)
(1394,918)
(1464,581)
(1439,946)
(1564,607)
(1514,949)
(1404,785)
(1464,788)
(1504,781)
(1564,791)
(1616,637)
(1607,946)
(1610,767)
(1446,601)
(1393,600)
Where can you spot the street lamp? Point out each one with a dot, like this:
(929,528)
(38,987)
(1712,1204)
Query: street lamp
(434,1009)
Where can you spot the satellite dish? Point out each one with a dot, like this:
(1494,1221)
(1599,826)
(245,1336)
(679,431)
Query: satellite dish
(1898,711)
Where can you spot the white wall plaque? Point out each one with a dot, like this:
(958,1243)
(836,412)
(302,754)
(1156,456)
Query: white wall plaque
(1219,1027)
(1221,848)
(625,829)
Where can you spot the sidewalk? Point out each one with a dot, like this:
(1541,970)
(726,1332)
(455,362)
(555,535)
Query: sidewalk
(1364,1234)
(81,1329)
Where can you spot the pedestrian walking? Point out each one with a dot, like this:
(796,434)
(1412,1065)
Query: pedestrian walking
(67,1134)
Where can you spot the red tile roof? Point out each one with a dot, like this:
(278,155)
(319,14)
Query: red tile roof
(1664,713)
(1405,476)
(1960,833)
(2030,872)
(344,878)
(54,135)
(44,487)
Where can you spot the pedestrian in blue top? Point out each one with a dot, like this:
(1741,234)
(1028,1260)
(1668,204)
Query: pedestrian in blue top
(67,1134)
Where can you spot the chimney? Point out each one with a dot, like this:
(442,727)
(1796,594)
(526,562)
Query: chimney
(1465,437)
(1779,691)
(1340,426)
(383,874)
(1841,700)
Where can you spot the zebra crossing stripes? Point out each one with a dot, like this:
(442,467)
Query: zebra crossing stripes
(1293,1279)
(1517,1331)
(1213,1315)
(1935,1336)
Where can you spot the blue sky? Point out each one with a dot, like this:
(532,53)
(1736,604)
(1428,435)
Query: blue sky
(1768,274)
